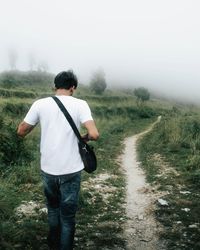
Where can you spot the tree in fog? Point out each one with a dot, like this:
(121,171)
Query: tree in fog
(31,62)
(12,57)
(8,79)
(142,95)
(98,82)
(43,66)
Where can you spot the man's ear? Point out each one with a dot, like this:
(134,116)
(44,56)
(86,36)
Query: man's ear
(72,89)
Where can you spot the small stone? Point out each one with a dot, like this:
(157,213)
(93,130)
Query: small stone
(185,209)
(185,192)
(193,226)
(163,202)
(141,217)
(43,210)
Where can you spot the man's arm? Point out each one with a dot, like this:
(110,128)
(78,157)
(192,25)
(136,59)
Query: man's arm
(93,133)
(24,129)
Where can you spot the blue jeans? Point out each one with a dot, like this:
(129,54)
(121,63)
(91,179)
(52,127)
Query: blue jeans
(61,193)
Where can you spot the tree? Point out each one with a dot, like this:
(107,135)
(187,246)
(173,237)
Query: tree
(142,95)
(32,61)
(43,66)
(98,82)
(8,79)
(12,56)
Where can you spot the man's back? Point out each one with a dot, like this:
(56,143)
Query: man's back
(59,147)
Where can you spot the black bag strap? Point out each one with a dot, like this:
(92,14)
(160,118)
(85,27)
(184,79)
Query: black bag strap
(68,117)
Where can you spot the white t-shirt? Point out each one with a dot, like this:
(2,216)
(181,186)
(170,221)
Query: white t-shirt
(59,145)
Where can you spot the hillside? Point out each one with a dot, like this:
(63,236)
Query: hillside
(102,199)
(170,157)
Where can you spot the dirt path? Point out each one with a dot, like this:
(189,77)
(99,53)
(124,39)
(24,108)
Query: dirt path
(141,230)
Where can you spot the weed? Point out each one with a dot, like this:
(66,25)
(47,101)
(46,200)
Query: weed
(15,109)
(13,149)
(176,140)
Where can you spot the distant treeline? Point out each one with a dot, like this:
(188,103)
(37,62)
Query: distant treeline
(16,93)
(15,78)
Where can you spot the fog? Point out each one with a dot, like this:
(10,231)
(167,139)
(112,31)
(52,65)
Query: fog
(150,43)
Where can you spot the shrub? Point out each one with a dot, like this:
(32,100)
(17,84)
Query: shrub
(193,162)
(191,134)
(15,109)
(142,94)
(8,81)
(13,150)
(191,127)
(146,112)
(16,93)
(16,78)
(98,82)
(194,177)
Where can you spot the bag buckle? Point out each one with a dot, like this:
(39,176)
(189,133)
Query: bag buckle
(84,148)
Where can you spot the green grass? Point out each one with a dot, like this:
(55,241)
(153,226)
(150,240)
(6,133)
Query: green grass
(169,154)
(170,157)
(101,208)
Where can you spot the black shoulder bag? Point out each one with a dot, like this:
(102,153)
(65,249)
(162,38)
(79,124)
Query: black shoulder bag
(87,154)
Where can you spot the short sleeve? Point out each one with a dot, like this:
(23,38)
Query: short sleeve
(32,117)
(85,112)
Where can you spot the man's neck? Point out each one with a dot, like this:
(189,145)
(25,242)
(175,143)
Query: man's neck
(67,92)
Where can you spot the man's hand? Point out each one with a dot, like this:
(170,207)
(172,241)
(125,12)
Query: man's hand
(85,137)
(24,129)
(93,133)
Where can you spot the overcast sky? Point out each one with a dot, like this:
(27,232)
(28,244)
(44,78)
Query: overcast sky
(144,42)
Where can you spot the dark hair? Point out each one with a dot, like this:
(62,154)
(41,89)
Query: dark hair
(66,80)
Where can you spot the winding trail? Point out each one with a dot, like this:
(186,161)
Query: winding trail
(141,229)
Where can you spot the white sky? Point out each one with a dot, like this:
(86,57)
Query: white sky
(145,42)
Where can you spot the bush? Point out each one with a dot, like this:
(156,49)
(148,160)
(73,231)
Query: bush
(194,177)
(193,163)
(181,131)
(142,94)
(16,109)
(98,82)
(14,78)
(8,81)
(191,127)
(13,149)
(16,93)
(146,112)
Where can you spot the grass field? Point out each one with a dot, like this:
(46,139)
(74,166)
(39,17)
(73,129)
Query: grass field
(169,155)
(101,208)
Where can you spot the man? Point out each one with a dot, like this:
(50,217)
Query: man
(61,163)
